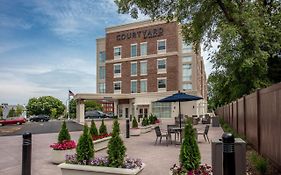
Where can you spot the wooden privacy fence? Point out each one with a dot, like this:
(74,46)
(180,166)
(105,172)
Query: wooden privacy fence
(258,117)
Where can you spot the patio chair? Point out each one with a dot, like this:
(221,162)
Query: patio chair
(170,132)
(160,134)
(205,133)
(207,119)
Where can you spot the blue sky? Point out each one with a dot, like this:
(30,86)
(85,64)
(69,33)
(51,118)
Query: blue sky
(48,46)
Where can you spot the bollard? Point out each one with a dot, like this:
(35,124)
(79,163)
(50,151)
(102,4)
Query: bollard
(228,154)
(127,128)
(26,154)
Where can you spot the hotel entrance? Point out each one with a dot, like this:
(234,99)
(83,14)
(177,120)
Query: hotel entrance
(142,111)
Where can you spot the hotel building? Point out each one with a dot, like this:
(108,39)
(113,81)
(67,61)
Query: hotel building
(142,62)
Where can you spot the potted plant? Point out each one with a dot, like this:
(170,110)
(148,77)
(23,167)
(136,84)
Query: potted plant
(63,147)
(154,121)
(113,164)
(145,125)
(135,130)
(190,156)
(100,140)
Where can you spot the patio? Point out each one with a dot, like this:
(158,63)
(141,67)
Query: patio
(158,158)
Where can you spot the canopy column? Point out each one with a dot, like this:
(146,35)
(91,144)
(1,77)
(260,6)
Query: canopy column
(80,111)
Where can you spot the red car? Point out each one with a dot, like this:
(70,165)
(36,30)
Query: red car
(12,120)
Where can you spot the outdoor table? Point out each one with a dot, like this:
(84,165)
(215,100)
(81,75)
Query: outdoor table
(178,130)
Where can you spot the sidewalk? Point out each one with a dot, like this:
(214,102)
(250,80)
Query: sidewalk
(158,158)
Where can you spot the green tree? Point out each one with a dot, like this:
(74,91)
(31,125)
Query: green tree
(64,134)
(45,105)
(72,108)
(116,148)
(92,105)
(1,112)
(249,35)
(102,129)
(85,147)
(189,153)
(93,129)
(135,123)
(12,113)
(19,110)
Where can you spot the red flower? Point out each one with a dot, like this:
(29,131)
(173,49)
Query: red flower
(101,136)
(64,145)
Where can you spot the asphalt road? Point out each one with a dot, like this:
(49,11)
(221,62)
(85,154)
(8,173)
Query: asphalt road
(38,128)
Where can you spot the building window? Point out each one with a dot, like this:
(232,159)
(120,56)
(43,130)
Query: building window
(101,87)
(101,72)
(187,86)
(186,72)
(143,68)
(187,59)
(134,69)
(186,47)
(161,84)
(143,49)
(117,70)
(162,110)
(117,87)
(117,52)
(143,85)
(133,50)
(102,56)
(133,86)
(161,65)
(161,46)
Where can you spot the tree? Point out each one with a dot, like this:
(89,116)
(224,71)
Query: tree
(1,112)
(249,33)
(135,123)
(103,129)
(93,129)
(189,153)
(19,110)
(85,147)
(72,108)
(64,134)
(12,113)
(47,105)
(92,105)
(116,148)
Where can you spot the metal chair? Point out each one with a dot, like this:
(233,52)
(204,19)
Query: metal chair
(205,133)
(160,134)
(170,132)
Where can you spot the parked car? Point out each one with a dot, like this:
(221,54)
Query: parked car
(12,120)
(39,118)
(95,114)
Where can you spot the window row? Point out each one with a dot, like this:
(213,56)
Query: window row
(161,48)
(161,85)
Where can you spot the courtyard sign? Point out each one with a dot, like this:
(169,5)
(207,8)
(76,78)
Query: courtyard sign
(150,33)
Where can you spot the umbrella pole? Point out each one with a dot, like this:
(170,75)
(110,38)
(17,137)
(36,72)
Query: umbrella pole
(180,112)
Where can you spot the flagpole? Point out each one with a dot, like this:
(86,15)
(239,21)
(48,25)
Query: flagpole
(68,106)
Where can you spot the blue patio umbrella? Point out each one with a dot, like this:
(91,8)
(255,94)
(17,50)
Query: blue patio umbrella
(180,97)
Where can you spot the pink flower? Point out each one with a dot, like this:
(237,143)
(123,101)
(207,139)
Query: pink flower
(64,145)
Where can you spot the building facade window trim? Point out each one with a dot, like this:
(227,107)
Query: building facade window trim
(162,65)
(160,47)
(143,85)
(117,87)
(117,54)
(117,73)
(162,84)
(143,67)
(143,49)
(135,88)
(134,72)
(134,46)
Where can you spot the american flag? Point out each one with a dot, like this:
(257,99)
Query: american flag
(70,93)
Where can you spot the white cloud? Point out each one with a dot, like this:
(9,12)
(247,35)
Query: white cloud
(12,22)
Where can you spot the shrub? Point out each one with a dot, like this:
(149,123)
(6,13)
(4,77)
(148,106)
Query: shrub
(259,163)
(135,123)
(85,147)
(116,149)
(103,129)
(189,153)
(145,121)
(64,134)
(93,129)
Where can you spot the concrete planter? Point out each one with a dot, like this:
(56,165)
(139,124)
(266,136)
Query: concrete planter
(71,169)
(101,144)
(135,131)
(58,156)
(145,129)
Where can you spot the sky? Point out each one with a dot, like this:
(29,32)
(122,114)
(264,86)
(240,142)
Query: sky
(48,47)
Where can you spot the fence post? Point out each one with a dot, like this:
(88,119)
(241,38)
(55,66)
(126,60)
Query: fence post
(228,154)
(258,119)
(244,115)
(26,153)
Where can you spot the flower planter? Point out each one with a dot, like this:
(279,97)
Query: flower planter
(58,156)
(72,169)
(101,143)
(145,129)
(135,131)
